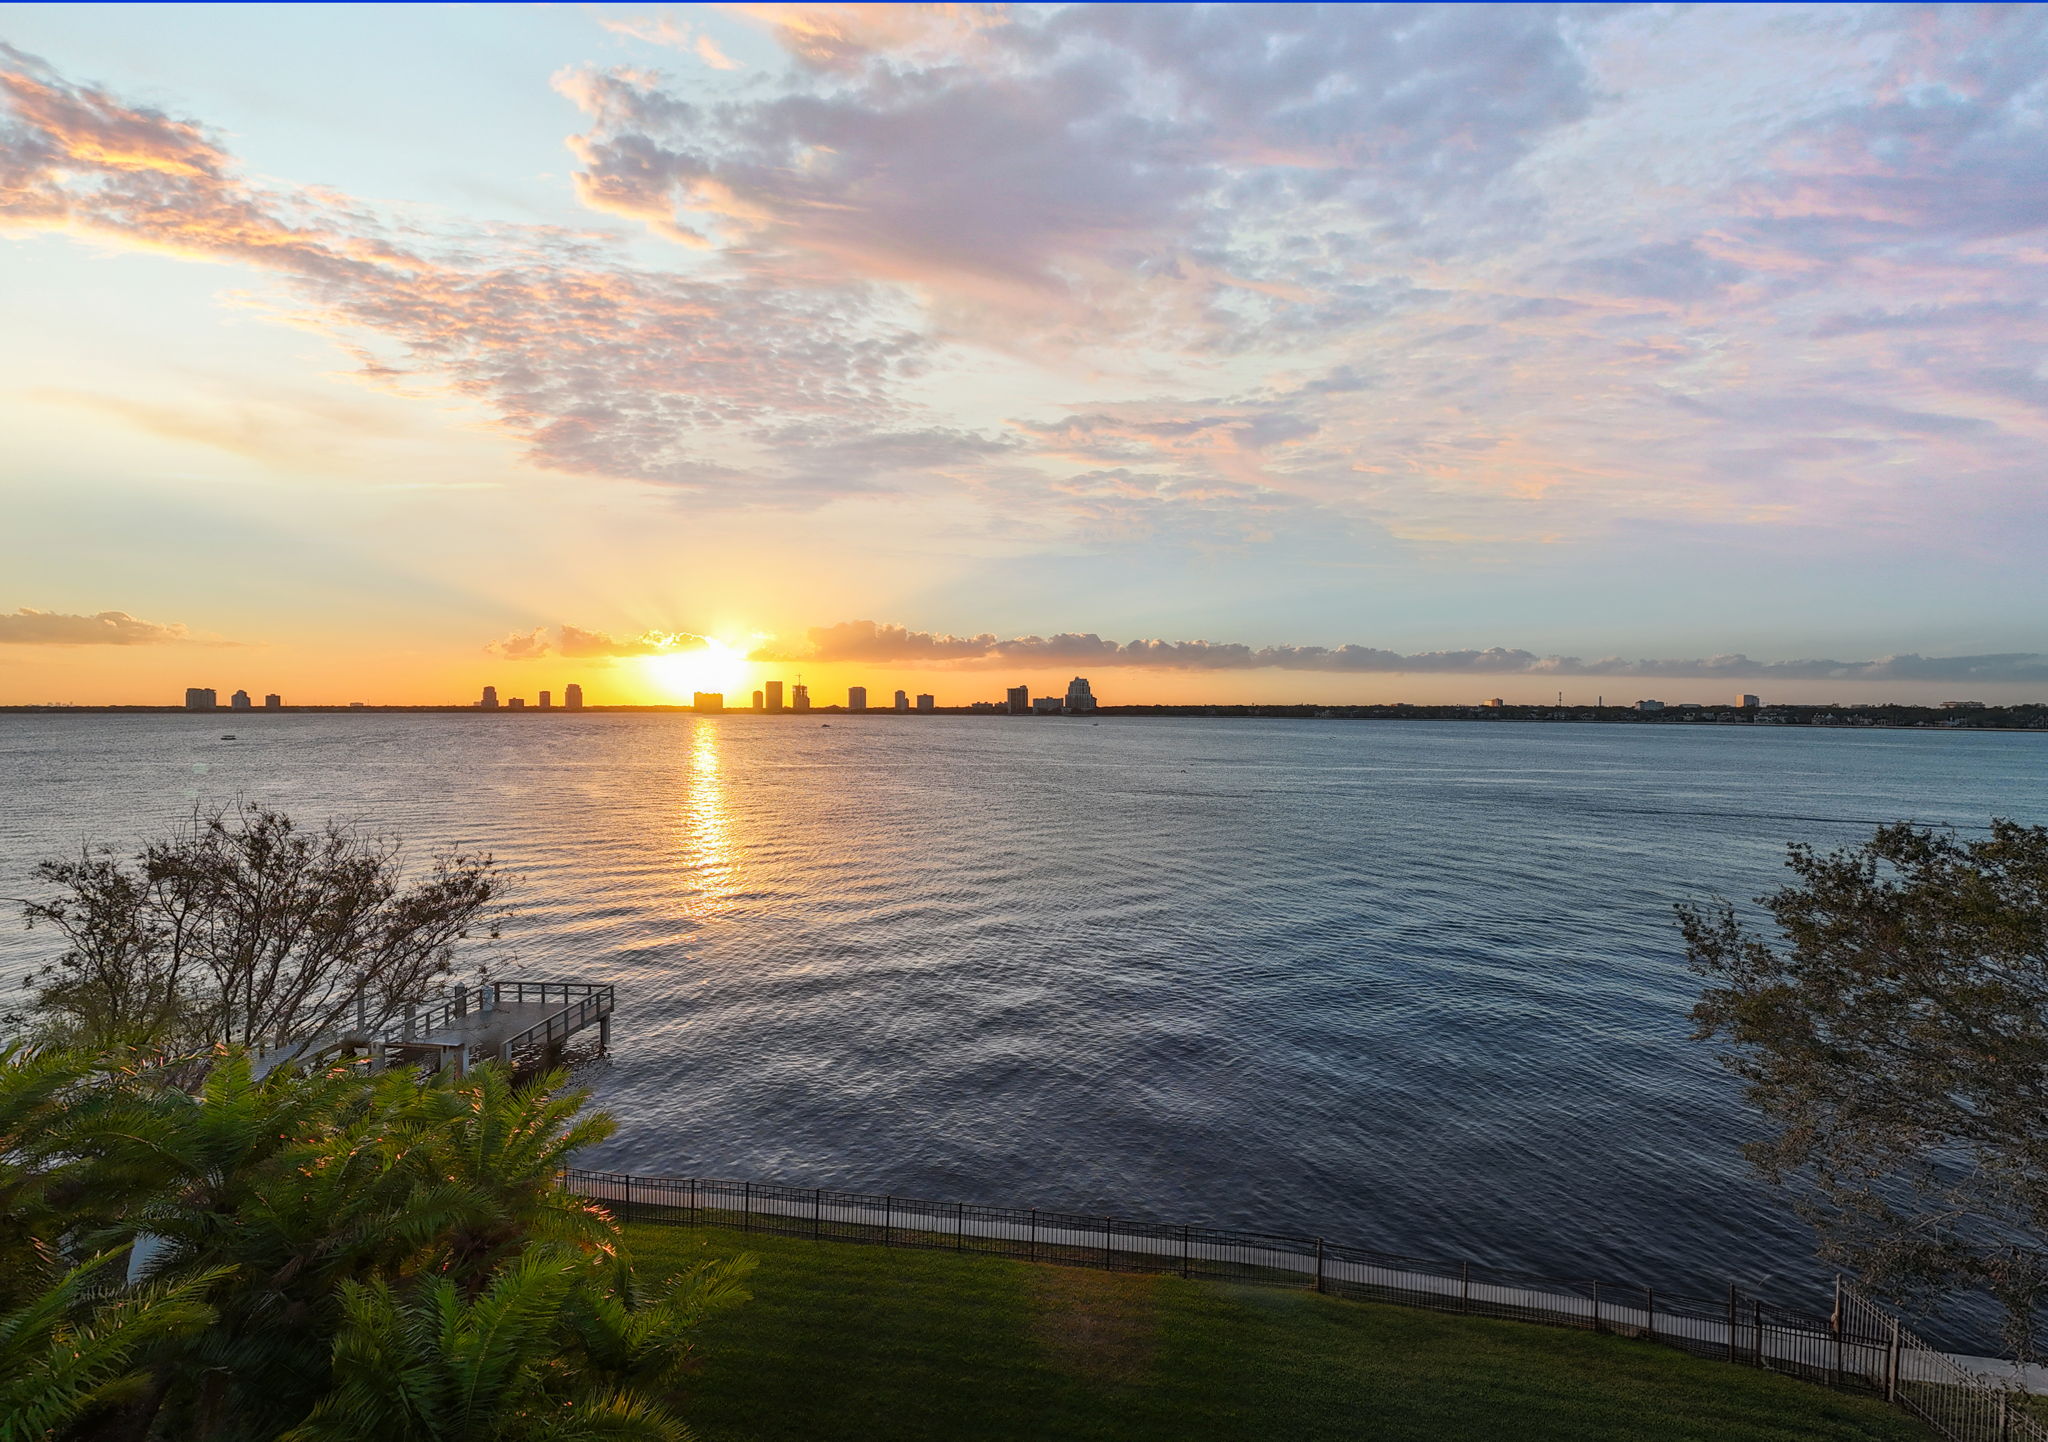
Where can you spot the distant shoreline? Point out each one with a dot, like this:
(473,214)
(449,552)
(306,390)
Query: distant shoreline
(2031,718)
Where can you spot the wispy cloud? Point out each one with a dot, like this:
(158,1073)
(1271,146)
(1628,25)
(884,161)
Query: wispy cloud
(30,627)
(598,367)
(1456,275)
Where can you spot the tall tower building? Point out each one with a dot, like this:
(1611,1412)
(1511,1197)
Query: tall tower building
(490,699)
(572,697)
(760,704)
(902,701)
(547,700)
(201,698)
(925,703)
(856,698)
(800,697)
(774,695)
(1080,700)
(1748,702)
(273,702)
(1020,700)
(239,701)
(708,700)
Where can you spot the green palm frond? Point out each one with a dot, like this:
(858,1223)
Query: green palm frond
(65,1354)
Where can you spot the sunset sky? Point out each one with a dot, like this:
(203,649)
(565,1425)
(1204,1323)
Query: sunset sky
(1275,353)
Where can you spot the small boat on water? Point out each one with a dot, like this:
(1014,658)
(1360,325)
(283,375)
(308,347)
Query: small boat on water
(228,737)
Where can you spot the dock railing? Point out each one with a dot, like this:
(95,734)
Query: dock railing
(582,1004)
(1859,1347)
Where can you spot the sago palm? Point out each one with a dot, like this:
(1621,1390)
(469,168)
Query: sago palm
(483,1155)
(78,1346)
(436,1365)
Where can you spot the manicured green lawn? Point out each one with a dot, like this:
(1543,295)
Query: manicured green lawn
(881,1345)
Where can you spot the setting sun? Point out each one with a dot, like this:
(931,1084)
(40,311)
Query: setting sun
(713,666)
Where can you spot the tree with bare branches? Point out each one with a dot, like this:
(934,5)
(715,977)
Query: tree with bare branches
(242,928)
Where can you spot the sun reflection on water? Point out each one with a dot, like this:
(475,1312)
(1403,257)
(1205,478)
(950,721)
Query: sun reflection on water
(706,839)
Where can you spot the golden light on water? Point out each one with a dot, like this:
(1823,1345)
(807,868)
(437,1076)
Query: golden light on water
(707,847)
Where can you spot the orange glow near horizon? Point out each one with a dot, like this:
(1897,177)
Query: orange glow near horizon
(679,675)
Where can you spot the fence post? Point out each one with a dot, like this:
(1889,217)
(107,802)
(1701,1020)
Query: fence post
(1835,1326)
(696,1208)
(1596,1306)
(1186,1257)
(1108,1262)
(627,1208)
(746,1206)
(959,1226)
(1033,1251)
(817,1213)
(1732,1355)
(889,1221)
(1891,1365)
(1757,1312)
(1319,1264)
(1650,1312)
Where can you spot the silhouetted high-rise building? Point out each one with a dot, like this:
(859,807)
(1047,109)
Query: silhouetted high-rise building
(760,704)
(1080,700)
(902,701)
(201,698)
(856,698)
(774,695)
(800,697)
(709,701)
(572,697)
(517,703)
(547,700)
(273,701)
(1748,702)
(490,699)
(1019,700)
(925,703)
(239,701)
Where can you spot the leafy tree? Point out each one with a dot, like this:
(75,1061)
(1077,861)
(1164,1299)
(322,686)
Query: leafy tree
(244,929)
(1895,1037)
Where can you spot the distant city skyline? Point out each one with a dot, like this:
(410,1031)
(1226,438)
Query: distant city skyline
(1330,354)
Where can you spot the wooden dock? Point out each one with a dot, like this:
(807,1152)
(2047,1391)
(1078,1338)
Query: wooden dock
(499,1021)
(496,1022)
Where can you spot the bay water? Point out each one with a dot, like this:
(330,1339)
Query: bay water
(1412,985)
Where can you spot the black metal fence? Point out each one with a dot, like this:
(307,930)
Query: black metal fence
(1859,1347)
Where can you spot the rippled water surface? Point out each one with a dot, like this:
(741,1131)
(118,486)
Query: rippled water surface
(1412,984)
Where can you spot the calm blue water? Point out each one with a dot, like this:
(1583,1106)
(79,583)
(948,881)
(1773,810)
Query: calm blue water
(1410,984)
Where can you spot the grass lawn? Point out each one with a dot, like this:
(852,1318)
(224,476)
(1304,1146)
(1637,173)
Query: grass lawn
(884,1345)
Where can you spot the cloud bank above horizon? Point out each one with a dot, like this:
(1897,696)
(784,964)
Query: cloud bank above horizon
(886,644)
